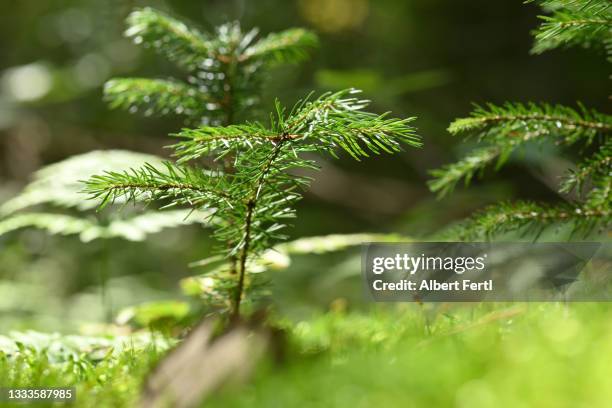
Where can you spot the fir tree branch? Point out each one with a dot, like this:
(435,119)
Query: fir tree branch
(510,126)
(332,121)
(182,185)
(261,188)
(289,46)
(520,120)
(446,178)
(225,68)
(254,193)
(599,196)
(305,129)
(585,23)
(158,97)
(597,167)
(530,218)
(171,38)
(208,139)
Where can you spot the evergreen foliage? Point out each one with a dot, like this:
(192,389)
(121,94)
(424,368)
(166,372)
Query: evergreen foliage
(252,203)
(531,219)
(223,69)
(505,129)
(237,177)
(225,72)
(586,23)
(248,186)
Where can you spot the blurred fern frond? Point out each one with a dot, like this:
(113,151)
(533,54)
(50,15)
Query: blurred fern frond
(59,184)
(58,188)
(135,228)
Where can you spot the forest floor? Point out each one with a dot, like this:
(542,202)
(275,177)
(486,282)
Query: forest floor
(487,355)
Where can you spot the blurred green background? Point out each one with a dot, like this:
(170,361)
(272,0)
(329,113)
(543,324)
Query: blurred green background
(425,58)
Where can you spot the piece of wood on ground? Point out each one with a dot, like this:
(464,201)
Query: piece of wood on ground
(201,364)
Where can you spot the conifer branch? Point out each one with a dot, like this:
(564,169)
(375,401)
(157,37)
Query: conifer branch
(289,46)
(251,188)
(522,120)
(254,200)
(225,68)
(585,23)
(446,178)
(597,167)
(147,184)
(158,97)
(226,75)
(600,194)
(171,38)
(530,218)
(334,120)
(506,128)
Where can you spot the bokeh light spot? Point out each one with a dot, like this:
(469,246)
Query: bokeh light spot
(335,15)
